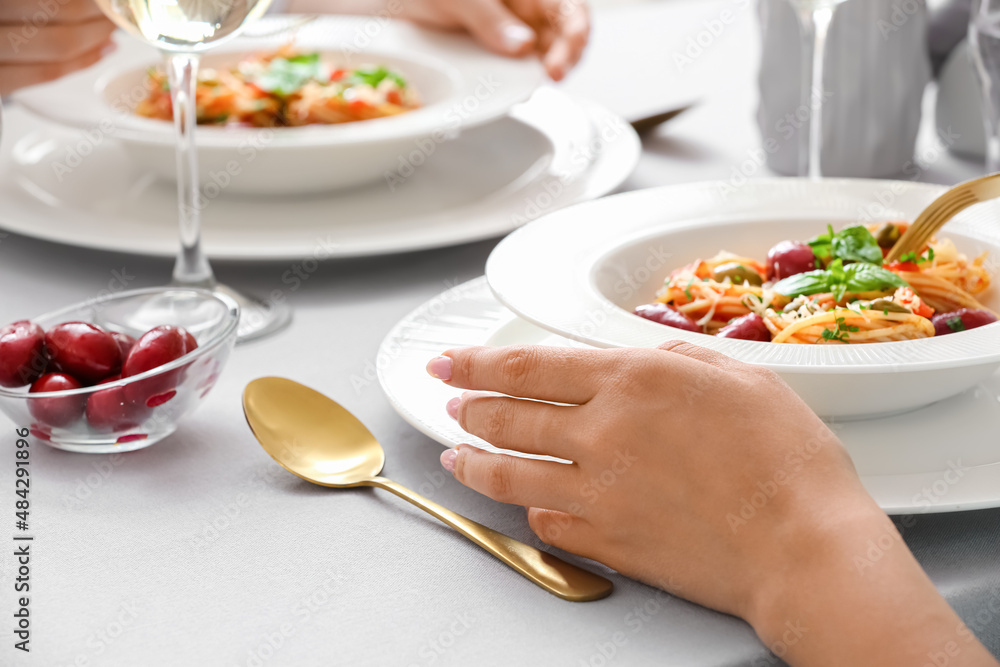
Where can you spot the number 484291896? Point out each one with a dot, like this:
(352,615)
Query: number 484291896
(23,482)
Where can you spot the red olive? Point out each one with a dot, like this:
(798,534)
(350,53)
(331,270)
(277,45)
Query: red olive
(60,411)
(154,348)
(22,354)
(789,258)
(125,343)
(84,351)
(664,314)
(961,320)
(110,410)
(747,327)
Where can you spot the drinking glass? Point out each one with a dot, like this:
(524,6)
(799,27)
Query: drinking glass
(182,30)
(814,19)
(984,46)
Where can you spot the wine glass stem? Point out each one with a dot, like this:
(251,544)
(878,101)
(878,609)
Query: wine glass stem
(815,27)
(192,268)
(992,125)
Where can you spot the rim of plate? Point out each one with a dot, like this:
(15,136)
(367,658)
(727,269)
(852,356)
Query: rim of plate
(524,274)
(484,86)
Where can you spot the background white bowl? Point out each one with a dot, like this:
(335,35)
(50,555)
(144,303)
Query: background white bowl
(460,84)
(285,160)
(613,255)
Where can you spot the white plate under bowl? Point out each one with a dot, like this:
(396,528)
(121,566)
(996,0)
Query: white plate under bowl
(551,152)
(461,84)
(613,255)
(940,458)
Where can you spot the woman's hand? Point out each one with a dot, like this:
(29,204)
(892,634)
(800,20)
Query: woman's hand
(699,474)
(687,464)
(556,29)
(44,40)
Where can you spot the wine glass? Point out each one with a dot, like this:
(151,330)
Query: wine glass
(182,30)
(814,19)
(984,47)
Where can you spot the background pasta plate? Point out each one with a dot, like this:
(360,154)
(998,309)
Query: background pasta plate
(579,272)
(460,84)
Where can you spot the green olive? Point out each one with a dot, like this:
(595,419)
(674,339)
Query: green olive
(887,305)
(887,235)
(737,274)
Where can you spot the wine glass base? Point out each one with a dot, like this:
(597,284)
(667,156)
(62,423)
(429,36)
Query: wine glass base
(258,318)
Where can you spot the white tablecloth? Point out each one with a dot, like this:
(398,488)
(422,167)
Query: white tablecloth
(201,551)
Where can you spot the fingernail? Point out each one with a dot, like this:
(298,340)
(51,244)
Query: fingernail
(440,367)
(452,407)
(516,35)
(448,459)
(108,49)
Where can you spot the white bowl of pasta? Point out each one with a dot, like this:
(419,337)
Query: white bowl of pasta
(329,110)
(854,338)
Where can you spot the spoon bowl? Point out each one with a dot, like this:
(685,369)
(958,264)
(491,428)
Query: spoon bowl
(317,439)
(310,435)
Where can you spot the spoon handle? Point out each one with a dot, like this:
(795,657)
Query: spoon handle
(551,573)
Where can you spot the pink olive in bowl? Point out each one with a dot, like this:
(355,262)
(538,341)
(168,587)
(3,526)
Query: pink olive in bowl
(22,354)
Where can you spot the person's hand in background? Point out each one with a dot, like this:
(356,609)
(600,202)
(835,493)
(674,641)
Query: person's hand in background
(709,478)
(557,30)
(46,40)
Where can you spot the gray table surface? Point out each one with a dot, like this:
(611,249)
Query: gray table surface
(201,551)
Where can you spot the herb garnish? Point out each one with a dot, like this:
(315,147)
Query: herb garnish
(840,280)
(955,323)
(373,77)
(918,259)
(853,244)
(286,76)
(841,332)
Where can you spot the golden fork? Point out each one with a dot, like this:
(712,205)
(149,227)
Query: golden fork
(943,209)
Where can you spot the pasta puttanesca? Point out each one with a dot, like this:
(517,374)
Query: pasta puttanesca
(835,289)
(286,88)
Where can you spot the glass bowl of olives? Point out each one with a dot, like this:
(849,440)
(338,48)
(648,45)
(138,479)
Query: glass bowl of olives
(116,373)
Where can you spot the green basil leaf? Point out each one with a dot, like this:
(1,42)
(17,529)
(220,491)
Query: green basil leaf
(373,77)
(821,244)
(870,278)
(856,244)
(286,76)
(306,58)
(810,282)
(836,269)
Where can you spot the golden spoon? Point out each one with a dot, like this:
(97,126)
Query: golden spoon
(317,439)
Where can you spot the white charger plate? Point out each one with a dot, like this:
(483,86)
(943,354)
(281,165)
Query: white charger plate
(615,253)
(551,152)
(941,458)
